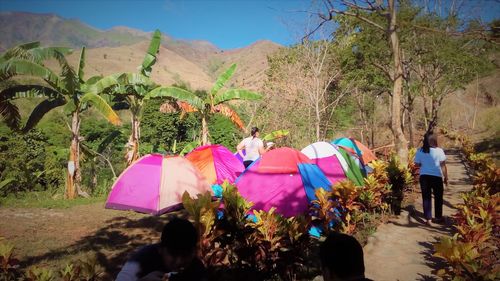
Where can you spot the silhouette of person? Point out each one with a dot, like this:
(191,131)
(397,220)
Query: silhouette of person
(342,258)
(433,172)
(253,146)
(174,258)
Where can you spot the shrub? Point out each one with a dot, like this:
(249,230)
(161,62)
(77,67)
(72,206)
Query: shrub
(231,241)
(472,253)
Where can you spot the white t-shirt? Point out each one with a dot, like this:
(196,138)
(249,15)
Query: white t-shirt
(252,146)
(430,163)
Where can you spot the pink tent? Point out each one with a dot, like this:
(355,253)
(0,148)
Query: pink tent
(283,178)
(154,184)
(328,159)
(216,163)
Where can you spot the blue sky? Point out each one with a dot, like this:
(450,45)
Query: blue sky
(226,23)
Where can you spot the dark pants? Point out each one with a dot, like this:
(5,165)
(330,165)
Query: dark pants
(247,163)
(429,185)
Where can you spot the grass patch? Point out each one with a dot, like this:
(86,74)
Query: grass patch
(45,199)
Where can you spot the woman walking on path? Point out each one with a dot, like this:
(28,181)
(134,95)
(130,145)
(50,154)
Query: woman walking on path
(253,146)
(433,173)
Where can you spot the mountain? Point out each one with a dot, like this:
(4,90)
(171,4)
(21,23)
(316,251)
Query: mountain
(122,48)
(50,29)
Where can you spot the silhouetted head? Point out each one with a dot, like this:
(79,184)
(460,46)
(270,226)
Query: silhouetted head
(178,244)
(342,258)
(254,132)
(430,140)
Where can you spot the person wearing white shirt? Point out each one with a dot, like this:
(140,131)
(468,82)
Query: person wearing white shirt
(433,173)
(253,146)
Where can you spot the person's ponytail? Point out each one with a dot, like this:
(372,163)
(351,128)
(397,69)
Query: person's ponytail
(426,147)
(254,131)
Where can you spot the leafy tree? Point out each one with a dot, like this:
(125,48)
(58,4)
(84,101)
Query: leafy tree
(165,132)
(309,72)
(23,160)
(132,90)
(440,63)
(382,17)
(214,102)
(103,149)
(67,89)
(222,131)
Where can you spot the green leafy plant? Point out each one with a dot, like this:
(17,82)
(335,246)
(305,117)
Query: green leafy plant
(39,274)
(400,178)
(472,252)
(8,264)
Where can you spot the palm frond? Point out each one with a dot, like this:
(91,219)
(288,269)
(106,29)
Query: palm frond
(70,81)
(45,53)
(108,140)
(136,79)
(230,113)
(81,65)
(27,90)
(178,94)
(222,79)
(40,110)
(10,114)
(276,135)
(103,84)
(235,94)
(14,67)
(189,147)
(93,79)
(19,51)
(150,58)
(102,106)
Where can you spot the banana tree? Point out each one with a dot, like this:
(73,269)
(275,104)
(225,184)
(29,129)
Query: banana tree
(132,90)
(68,88)
(214,103)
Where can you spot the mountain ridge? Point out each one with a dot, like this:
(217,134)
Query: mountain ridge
(194,61)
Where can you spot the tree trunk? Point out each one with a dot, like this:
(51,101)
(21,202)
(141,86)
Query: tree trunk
(74,177)
(318,120)
(204,131)
(426,108)
(411,123)
(400,141)
(93,172)
(475,102)
(411,128)
(133,141)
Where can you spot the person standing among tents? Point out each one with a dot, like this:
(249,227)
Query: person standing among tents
(433,173)
(253,146)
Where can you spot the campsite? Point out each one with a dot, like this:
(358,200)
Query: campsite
(269,134)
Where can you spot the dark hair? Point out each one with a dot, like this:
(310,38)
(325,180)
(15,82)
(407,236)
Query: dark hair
(430,139)
(254,131)
(343,256)
(179,237)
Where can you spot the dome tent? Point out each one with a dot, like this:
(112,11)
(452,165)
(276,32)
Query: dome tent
(216,163)
(283,178)
(154,184)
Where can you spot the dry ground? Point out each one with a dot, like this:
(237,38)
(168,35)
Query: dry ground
(53,237)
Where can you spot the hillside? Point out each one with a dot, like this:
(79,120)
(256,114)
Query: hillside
(50,29)
(169,69)
(122,48)
(251,60)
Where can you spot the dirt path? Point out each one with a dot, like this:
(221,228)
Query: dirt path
(402,249)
